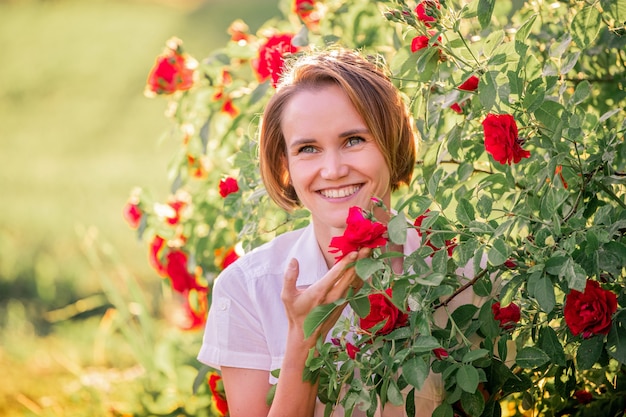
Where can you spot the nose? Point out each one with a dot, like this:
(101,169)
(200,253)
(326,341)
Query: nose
(334,166)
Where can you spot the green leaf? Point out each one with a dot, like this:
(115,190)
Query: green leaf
(396,228)
(393,393)
(316,317)
(465,211)
(472,355)
(589,352)
(582,91)
(549,342)
(485,203)
(585,27)
(367,267)
(522,33)
(498,253)
(494,40)
(467,378)
(473,403)
(360,305)
(443,410)
(485,10)
(616,340)
(544,293)
(530,357)
(415,370)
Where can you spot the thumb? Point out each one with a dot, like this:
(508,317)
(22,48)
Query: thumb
(291,276)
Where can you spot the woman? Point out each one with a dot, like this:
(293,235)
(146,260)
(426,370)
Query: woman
(335,134)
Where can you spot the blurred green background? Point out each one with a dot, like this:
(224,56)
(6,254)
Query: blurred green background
(76,135)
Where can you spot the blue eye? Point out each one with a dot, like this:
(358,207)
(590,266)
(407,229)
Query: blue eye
(355,140)
(306,149)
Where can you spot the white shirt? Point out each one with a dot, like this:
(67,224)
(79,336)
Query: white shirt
(247,325)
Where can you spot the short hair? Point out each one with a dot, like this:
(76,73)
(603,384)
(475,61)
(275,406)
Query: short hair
(371,92)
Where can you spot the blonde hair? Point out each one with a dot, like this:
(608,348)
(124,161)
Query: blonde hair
(374,97)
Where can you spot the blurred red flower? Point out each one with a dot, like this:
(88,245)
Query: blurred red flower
(132,214)
(270,61)
(228,186)
(360,233)
(177,206)
(155,255)
(450,244)
(383,310)
(230,257)
(502,140)
(196,309)
(507,316)
(217,392)
(172,71)
(308,11)
(590,312)
(176,268)
(583,396)
(428,11)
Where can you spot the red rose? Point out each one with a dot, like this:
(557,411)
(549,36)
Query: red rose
(383,310)
(589,313)
(360,233)
(471,84)
(352,350)
(501,139)
(217,392)
(132,213)
(428,11)
(270,62)
(197,310)
(156,246)
(441,353)
(507,316)
(583,396)
(308,12)
(456,108)
(421,42)
(450,244)
(172,71)
(230,257)
(176,269)
(177,206)
(228,186)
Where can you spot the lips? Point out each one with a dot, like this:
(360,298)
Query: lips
(340,192)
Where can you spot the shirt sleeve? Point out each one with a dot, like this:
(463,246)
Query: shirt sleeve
(233,335)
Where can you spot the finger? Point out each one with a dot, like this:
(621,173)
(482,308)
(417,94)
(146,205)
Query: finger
(290,279)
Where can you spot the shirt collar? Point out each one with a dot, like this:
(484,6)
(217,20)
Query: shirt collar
(310,258)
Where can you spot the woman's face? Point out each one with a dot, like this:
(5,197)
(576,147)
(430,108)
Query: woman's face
(333,161)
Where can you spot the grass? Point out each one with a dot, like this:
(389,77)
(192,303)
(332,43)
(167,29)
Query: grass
(76,135)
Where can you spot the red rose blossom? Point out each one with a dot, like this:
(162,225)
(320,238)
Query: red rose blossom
(360,233)
(441,353)
(583,396)
(471,84)
(270,61)
(217,393)
(196,311)
(228,186)
(502,140)
(156,247)
(307,11)
(590,312)
(352,350)
(383,310)
(507,316)
(450,244)
(172,71)
(427,11)
(456,108)
(230,257)
(176,268)
(132,214)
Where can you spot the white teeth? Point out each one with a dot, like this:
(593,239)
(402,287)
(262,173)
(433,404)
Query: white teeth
(339,193)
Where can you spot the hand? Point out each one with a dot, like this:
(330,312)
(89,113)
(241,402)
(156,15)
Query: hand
(330,288)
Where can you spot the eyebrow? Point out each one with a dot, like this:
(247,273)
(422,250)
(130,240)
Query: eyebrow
(347,133)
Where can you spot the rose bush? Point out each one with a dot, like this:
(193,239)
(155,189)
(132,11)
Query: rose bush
(519,107)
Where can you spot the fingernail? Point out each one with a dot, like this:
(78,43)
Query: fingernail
(292,264)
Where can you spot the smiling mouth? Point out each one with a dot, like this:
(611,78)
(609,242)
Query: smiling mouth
(340,192)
